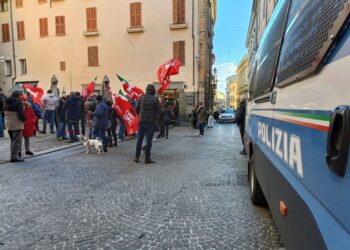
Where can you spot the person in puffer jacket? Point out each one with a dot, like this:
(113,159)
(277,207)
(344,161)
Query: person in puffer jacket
(14,122)
(148,109)
(50,103)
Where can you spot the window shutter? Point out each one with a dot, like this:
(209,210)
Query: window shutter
(60,26)
(175,11)
(176,50)
(43,27)
(93,56)
(182,52)
(5,32)
(20,30)
(181,10)
(19,3)
(132,15)
(91,19)
(138,15)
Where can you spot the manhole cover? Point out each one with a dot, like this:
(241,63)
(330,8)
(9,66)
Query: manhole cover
(241,180)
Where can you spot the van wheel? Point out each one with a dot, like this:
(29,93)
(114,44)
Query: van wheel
(256,195)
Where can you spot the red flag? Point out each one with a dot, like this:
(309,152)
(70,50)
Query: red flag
(171,67)
(127,113)
(133,91)
(89,90)
(36,92)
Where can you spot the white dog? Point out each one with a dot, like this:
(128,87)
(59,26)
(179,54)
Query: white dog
(88,143)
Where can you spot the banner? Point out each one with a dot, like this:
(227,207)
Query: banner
(37,93)
(127,113)
(171,67)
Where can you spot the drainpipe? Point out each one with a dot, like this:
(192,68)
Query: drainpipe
(193,54)
(13,46)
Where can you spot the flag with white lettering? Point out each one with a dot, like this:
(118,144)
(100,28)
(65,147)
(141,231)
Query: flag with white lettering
(127,113)
(89,90)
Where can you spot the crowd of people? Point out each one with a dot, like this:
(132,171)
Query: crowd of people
(69,116)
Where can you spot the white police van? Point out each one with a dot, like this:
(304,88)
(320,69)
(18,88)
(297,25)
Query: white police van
(298,123)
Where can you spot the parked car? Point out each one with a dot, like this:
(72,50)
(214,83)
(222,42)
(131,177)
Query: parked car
(227,115)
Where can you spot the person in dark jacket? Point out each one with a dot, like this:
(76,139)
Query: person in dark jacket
(240,119)
(148,109)
(101,116)
(82,115)
(14,120)
(165,118)
(3,97)
(112,125)
(72,110)
(61,119)
(195,118)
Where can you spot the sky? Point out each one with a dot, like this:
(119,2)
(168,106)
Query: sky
(230,33)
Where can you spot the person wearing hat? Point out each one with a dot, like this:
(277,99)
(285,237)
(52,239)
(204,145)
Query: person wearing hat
(14,121)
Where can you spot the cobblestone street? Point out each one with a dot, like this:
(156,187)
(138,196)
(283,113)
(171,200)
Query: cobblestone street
(196,196)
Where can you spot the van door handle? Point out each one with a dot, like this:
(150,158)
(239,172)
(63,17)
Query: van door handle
(338,140)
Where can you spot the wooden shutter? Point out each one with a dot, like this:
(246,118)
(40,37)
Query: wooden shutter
(20,30)
(93,56)
(132,15)
(135,15)
(60,26)
(5,32)
(91,19)
(182,52)
(178,11)
(42,1)
(175,11)
(179,51)
(44,31)
(19,3)
(181,11)
(138,15)
(63,66)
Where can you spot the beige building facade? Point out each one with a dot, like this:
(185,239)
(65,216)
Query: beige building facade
(242,74)
(220,100)
(79,40)
(232,98)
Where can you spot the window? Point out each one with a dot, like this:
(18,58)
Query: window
(44,30)
(93,56)
(5,33)
(91,19)
(20,30)
(63,66)
(23,65)
(135,15)
(8,68)
(178,11)
(179,51)
(4,5)
(60,26)
(42,1)
(19,3)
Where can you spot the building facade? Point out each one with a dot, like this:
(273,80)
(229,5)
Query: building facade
(220,100)
(232,98)
(79,40)
(242,74)
(261,13)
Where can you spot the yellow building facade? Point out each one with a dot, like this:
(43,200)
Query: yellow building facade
(232,98)
(242,75)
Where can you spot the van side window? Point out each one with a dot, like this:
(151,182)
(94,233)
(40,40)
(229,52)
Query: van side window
(308,37)
(267,55)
